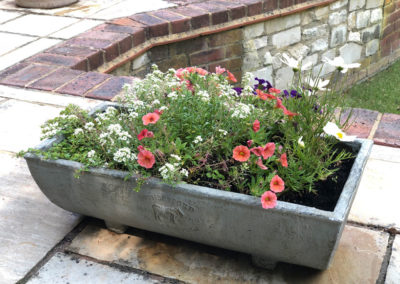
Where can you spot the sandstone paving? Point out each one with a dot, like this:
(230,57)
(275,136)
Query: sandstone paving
(62,268)
(12,41)
(26,51)
(20,124)
(37,25)
(376,202)
(76,29)
(357,260)
(393,271)
(8,15)
(30,225)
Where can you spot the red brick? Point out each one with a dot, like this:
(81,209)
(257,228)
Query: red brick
(394,17)
(110,48)
(55,79)
(285,3)
(190,46)
(84,83)
(158,53)
(199,17)
(60,60)
(116,28)
(388,30)
(233,50)
(230,64)
(224,38)
(94,56)
(237,10)
(156,26)
(124,41)
(270,5)
(109,89)
(361,121)
(178,23)
(388,132)
(219,14)
(204,57)
(127,22)
(254,7)
(28,75)
(13,69)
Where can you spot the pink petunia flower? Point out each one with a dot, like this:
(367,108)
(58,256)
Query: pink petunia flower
(201,71)
(261,165)
(249,143)
(146,159)
(256,125)
(145,134)
(275,91)
(219,70)
(231,77)
(289,113)
(268,150)
(140,148)
(268,200)
(257,151)
(241,153)
(277,184)
(265,96)
(159,112)
(283,160)
(150,118)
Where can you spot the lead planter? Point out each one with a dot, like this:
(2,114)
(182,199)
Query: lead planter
(288,233)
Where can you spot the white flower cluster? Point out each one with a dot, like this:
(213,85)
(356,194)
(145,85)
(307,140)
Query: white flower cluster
(110,113)
(89,126)
(247,82)
(50,130)
(170,170)
(91,154)
(197,140)
(204,95)
(124,155)
(242,110)
(227,91)
(69,117)
(172,95)
(78,131)
(116,131)
(224,132)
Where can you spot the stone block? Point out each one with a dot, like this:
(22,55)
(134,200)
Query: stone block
(307,17)
(338,4)
(287,37)
(282,23)
(251,61)
(338,35)
(313,59)
(376,15)
(324,69)
(252,31)
(372,47)
(363,18)
(319,45)
(321,12)
(370,33)
(374,4)
(358,258)
(351,52)
(356,4)
(283,78)
(265,73)
(267,58)
(299,50)
(355,37)
(261,42)
(337,18)
(351,20)
(318,31)
(140,61)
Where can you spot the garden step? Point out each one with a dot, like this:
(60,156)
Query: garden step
(388,132)
(357,260)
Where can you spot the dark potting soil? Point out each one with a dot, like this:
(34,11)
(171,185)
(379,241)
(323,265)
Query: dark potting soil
(328,191)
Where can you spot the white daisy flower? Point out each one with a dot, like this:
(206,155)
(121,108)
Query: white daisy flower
(338,62)
(293,63)
(332,129)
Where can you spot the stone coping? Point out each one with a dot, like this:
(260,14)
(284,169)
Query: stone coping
(79,66)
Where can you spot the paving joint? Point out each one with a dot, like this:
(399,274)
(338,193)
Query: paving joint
(375,126)
(386,260)
(377,228)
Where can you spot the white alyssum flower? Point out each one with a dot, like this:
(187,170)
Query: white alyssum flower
(169,170)
(296,65)
(332,129)
(197,140)
(50,130)
(176,157)
(338,62)
(69,117)
(224,132)
(204,95)
(89,126)
(91,153)
(124,155)
(163,108)
(318,84)
(184,172)
(242,110)
(78,131)
(155,102)
(300,142)
(172,95)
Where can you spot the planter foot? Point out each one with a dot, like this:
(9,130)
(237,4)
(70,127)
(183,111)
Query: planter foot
(263,262)
(116,227)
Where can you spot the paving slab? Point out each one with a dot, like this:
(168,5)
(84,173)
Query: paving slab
(8,15)
(20,124)
(357,260)
(388,132)
(30,225)
(62,268)
(393,271)
(12,41)
(37,25)
(26,51)
(76,29)
(376,202)
(46,97)
(384,153)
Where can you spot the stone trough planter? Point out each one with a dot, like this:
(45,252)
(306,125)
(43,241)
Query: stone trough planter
(288,233)
(44,4)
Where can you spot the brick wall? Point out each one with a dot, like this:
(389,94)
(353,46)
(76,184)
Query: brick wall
(390,40)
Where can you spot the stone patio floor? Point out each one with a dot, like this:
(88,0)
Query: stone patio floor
(41,243)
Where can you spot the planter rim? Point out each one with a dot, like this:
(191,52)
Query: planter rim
(337,215)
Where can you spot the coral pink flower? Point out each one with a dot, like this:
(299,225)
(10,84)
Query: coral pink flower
(140,148)
(159,112)
(146,159)
(260,164)
(150,118)
(231,77)
(219,70)
(249,143)
(257,151)
(268,150)
(283,160)
(201,71)
(241,153)
(256,125)
(289,113)
(265,96)
(268,200)
(275,91)
(277,184)
(279,104)
(145,134)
